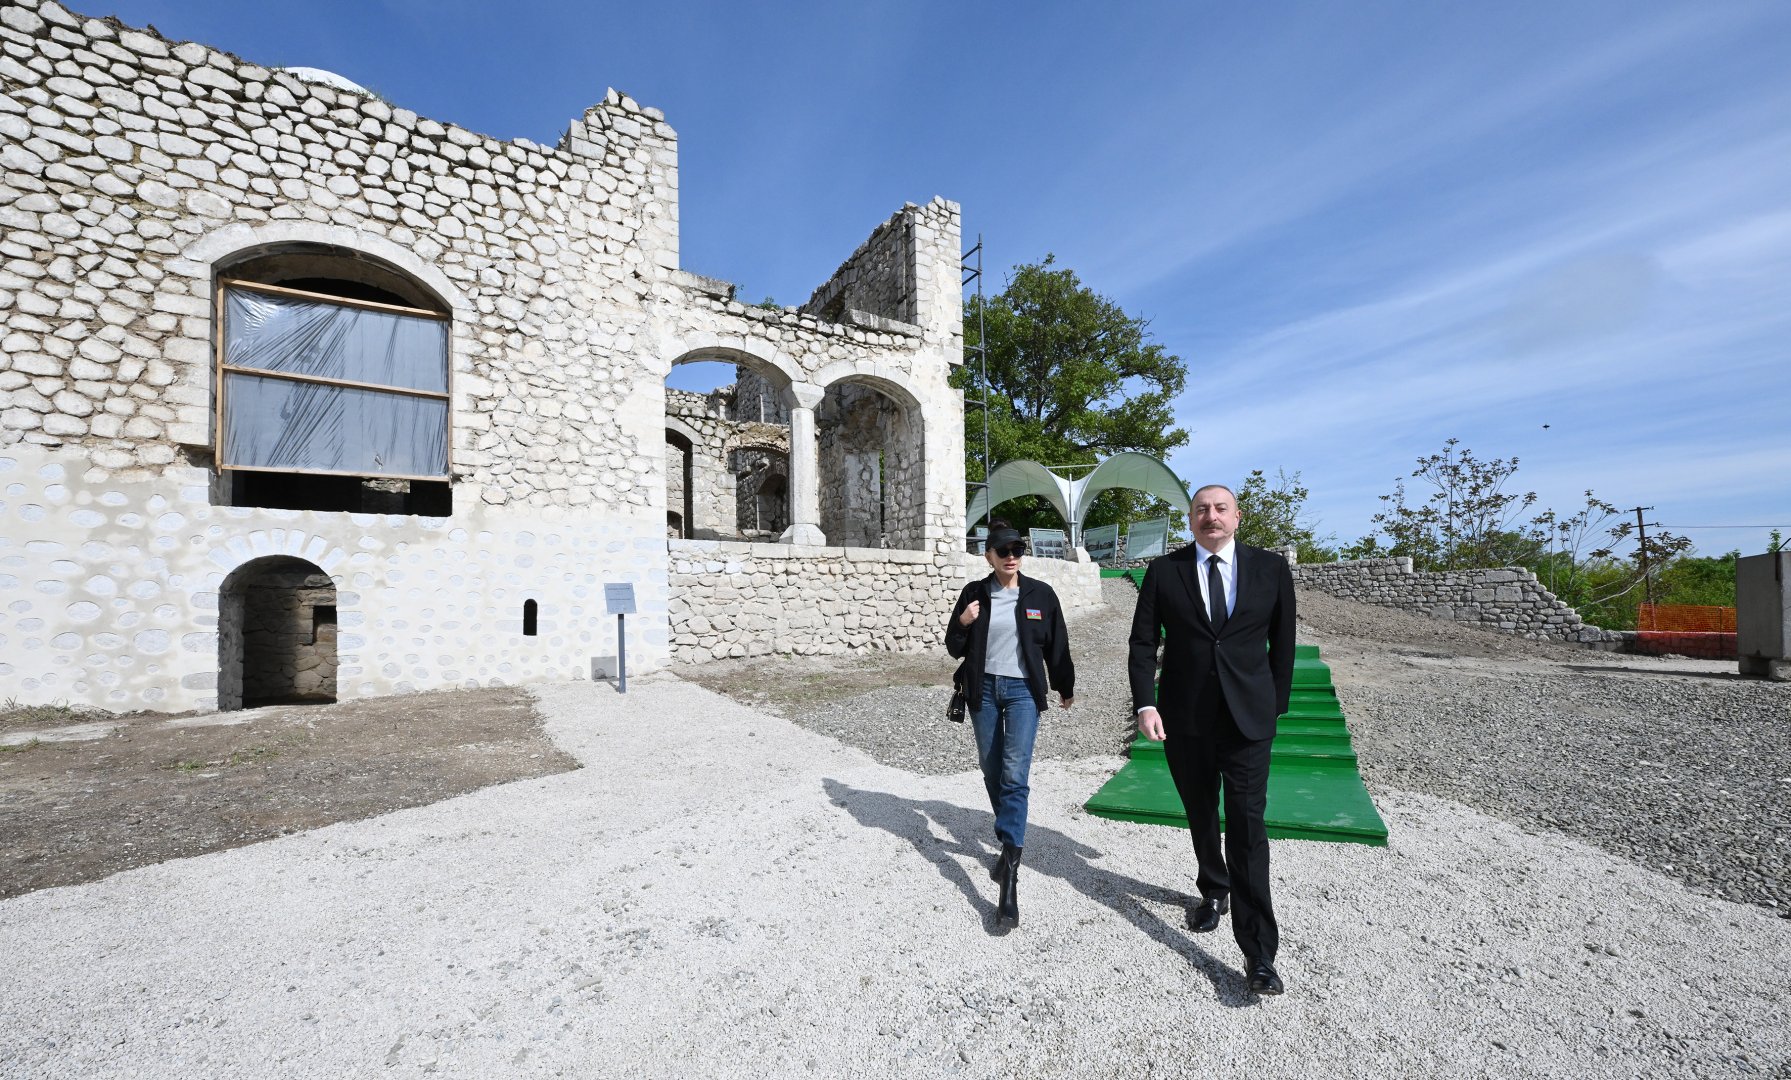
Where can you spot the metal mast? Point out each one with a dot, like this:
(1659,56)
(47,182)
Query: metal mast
(971,266)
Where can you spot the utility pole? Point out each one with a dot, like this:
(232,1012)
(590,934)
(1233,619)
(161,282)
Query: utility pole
(1642,553)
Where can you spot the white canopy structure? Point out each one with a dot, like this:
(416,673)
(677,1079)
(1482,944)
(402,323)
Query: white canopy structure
(1072,498)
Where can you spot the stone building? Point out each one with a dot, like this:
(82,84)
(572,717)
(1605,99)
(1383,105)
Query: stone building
(307,396)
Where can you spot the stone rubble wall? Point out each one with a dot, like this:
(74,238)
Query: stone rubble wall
(732,599)
(135,171)
(125,153)
(1077,584)
(1508,598)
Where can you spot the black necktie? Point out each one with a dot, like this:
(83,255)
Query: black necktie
(1215,592)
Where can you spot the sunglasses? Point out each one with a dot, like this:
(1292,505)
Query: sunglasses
(1012,551)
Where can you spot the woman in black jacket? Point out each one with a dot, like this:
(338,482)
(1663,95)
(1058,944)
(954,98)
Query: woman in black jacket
(1010,633)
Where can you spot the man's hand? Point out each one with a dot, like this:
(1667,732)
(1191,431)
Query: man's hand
(1150,724)
(1064,701)
(970,613)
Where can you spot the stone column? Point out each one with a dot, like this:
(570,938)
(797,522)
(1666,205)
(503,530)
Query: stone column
(805,467)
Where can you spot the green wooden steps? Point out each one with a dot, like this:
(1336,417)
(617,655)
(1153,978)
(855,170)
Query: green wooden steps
(1315,792)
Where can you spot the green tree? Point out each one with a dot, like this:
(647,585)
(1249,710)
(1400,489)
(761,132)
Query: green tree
(1275,516)
(1468,520)
(1073,379)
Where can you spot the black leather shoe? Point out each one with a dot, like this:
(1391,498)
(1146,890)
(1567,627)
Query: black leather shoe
(1205,918)
(1263,979)
(1007,909)
(1000,867)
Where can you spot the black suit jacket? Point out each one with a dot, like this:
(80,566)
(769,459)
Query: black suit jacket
(1253,653)
(1044,641)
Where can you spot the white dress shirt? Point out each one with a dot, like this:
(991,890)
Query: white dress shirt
(1228,573)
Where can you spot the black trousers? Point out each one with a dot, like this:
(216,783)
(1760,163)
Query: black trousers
(1207,753)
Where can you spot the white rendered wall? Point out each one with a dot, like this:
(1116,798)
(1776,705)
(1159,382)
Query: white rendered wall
(111,590)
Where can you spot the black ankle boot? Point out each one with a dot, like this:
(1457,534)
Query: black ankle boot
(997,871)
(1007,909)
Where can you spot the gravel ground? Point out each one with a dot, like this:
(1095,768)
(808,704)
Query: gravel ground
(1680,765)
(905,726)
(721,893)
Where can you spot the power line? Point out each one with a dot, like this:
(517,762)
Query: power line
(1725,526)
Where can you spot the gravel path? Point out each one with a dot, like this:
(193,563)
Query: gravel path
(905,726)
(1680,765)
(721,893)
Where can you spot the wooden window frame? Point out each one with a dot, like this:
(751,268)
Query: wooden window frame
(220,368)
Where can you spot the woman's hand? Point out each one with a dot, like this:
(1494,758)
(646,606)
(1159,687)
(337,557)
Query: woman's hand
(1064,701)
(970,613)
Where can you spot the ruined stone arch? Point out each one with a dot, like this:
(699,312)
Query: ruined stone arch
(891,382)
(759,358)
(871,433)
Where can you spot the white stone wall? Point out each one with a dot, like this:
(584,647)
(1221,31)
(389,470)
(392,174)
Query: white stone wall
(1077,584)
(112,590)
(732,599)
(135,171)
(1508,598)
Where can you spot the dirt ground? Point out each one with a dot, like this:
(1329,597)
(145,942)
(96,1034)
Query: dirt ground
(791,684)
(86,794)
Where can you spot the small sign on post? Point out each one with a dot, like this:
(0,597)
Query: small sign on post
(619,597)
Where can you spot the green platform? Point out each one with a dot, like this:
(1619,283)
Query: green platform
(1315,792)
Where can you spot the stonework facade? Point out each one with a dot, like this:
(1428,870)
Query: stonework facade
(137,174)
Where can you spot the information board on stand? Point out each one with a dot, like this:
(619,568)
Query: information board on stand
(1101,543)
(1048,543)
(1147,539)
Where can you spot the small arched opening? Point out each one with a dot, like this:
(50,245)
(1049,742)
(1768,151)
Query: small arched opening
(276,634)
(721,402)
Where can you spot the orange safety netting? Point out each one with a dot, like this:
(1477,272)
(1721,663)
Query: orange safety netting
(1686,618)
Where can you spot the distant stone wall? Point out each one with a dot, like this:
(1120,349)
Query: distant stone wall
(877,279)
(1508,599)
(733,599)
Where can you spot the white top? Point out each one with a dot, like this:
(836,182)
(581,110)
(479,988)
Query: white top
(1001,655)
(1228,573)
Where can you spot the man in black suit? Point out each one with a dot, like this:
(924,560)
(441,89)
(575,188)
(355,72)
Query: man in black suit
(1224,612)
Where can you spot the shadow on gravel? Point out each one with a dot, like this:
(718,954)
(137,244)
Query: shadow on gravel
(1047,852)
(1669,673)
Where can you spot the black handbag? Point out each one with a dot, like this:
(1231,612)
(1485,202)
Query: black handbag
(955,711)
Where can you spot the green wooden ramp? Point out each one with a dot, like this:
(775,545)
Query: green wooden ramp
(1315,792)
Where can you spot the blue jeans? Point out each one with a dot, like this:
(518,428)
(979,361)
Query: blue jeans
(1006,723)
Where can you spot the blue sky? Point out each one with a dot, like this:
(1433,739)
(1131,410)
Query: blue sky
(1367,227)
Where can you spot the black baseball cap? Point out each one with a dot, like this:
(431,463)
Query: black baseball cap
(1000,538)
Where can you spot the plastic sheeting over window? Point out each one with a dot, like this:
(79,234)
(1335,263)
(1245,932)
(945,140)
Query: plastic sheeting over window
(304,418)
(281,424)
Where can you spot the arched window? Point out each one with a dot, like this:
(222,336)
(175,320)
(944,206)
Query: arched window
(530,613)
(332,385)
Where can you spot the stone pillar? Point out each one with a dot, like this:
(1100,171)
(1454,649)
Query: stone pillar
(805,467)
